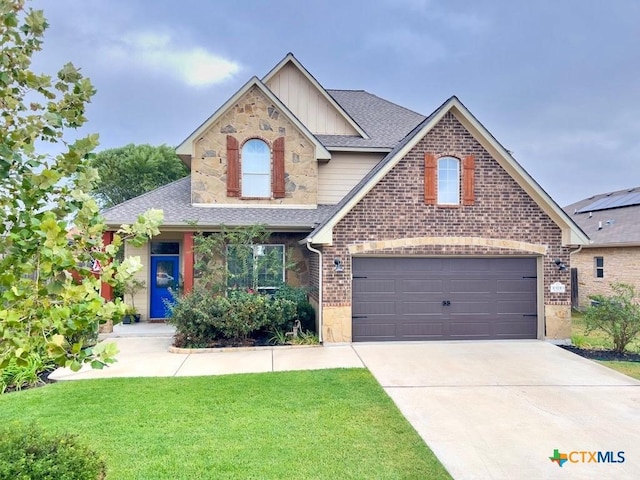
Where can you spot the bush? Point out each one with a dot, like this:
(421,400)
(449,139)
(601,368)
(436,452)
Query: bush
(617,315)
(16,376)
(203,319)
(304,310)
(29,453)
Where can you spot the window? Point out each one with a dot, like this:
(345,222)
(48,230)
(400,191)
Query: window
(256,169)
(258,267)
(448,181)
(599,266)
(443,180)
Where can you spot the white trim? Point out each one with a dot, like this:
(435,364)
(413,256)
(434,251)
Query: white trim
(571,233)
(290,58)
(283,206)
(187,146)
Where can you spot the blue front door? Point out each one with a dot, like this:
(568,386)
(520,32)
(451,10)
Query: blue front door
(164,279)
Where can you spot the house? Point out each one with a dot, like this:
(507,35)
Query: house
(612,222)
(403,227)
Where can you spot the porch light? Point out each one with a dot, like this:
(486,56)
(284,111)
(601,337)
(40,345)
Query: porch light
(337,263)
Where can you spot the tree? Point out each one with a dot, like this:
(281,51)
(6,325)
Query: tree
(129,171)
(617,315)
(49,295)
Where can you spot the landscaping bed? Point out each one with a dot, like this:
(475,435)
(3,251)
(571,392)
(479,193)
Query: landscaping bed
(598,354)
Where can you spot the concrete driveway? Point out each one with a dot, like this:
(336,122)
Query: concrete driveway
(498,410)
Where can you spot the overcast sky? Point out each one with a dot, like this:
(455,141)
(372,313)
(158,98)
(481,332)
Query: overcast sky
(557,82)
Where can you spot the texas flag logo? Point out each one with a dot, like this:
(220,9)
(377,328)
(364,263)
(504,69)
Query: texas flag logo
(559,458)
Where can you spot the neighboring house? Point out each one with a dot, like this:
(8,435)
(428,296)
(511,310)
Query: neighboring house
(403,227)
(612,221)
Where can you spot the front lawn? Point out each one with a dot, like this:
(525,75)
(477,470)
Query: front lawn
(311,424)
(597,340)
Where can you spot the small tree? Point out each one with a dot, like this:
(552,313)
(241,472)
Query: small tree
(617,315)
(49,288)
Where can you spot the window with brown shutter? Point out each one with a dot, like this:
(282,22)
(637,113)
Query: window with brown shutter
(278,185)
(468,192)
(233,167)
(429,179)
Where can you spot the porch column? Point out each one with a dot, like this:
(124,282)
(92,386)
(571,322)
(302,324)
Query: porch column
(188,259)
(106,290)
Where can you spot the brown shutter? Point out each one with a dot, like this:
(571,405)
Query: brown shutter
(278,168)
(429,179)
(468,194)
(233,167)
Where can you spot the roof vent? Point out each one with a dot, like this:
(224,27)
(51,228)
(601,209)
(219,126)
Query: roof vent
(590,214)
(599,225)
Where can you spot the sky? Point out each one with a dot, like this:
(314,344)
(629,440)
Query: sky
(557,82)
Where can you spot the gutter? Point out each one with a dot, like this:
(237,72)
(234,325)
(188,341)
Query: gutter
(311,249)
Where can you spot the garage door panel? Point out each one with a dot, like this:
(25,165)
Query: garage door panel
(420,308)
(470,308)
(421,285)
(515,285)
(471,286)
(402,298)
(469,329)
(367,285)
(422,330)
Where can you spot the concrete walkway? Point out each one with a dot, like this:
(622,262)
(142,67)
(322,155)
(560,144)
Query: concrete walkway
(144,352)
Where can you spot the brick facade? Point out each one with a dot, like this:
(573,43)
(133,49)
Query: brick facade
(395,209)
(620,265)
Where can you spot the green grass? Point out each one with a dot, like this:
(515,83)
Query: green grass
(335,424)
(631,369)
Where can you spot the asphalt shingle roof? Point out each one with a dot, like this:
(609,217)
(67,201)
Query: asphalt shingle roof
(385,122)
(611,226)
(175,200)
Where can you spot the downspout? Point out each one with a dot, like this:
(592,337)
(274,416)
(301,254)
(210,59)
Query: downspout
(311,249)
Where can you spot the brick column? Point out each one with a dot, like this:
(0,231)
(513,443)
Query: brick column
(187,246)
(106,290)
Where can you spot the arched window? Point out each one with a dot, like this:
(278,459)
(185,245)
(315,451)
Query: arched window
(448,181)
(256,169)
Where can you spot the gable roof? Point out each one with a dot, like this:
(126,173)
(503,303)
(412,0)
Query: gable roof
(175,200)
(571,233)
(290,58)
(612,225)
(185,149)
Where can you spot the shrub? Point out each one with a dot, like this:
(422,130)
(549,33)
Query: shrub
(203,319)
(304,310)
(30,453)
(16,376)
(617,315)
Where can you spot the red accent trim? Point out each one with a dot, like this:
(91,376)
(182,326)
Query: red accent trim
(468,193)
(188,259)
(233,167)
(106,290)
(278,168)
(430,167)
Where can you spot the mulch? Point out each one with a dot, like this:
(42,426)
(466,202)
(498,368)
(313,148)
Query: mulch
(593,354)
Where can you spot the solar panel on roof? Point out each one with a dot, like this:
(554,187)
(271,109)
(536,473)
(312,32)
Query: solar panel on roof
(617,201)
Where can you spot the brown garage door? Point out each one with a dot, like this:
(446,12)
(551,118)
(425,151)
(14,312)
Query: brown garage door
(444,298)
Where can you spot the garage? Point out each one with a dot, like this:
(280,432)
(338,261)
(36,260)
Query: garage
(458,298)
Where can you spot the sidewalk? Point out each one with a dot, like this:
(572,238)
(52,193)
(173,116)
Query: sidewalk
(144,352)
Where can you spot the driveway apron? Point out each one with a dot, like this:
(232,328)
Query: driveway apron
(500,410)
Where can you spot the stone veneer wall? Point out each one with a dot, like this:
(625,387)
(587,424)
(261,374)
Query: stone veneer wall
(395,208)
(253,117)
(621,264)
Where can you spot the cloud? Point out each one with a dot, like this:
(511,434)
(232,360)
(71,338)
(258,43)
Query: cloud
(160,53)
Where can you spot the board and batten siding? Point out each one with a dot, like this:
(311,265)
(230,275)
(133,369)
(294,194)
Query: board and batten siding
(337,177)
(308,104)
